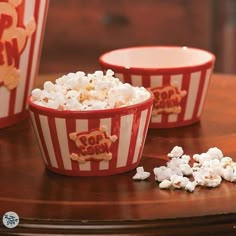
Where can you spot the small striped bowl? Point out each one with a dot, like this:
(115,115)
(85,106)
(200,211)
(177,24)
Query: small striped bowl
(178,77)
(91,143)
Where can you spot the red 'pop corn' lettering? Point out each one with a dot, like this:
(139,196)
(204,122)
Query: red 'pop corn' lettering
(92,145)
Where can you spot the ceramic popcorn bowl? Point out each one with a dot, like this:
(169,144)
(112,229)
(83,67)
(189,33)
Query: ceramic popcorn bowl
(22,28)
(91,143)
(178,77)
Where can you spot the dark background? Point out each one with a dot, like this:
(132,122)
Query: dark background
(78,31)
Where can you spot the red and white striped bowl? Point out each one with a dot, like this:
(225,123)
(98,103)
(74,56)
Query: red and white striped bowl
(25,62)
(178,76)
(53,130)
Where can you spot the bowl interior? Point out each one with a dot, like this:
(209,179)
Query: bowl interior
(156,57)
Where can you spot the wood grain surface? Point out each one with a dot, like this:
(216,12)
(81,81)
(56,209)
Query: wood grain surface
(51,204)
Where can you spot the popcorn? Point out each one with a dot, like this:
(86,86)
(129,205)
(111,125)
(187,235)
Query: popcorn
(165,184)
(208,170)
(229,174)
(176,152)
(179,181)
(201,157)
(186,169)
(161,173)
(226,161)
(186,158)
(207,177)
(141,174)
(36,93)
(48,86)
(190,186)
(76,91)
(215,153)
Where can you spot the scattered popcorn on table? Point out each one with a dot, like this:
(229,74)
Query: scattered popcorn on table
(165,184)
(179,181)
(229,174)
(208,170)
(207,177)
(141,174)
(162,173)
(215,153)
(78,91)
(176,152)
(186,169)
(190,186)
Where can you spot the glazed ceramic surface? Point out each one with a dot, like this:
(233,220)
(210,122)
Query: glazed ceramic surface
(178,77)
(91,143)
(22,27)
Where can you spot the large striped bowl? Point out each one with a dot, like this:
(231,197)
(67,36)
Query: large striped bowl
(21,64)
(178,77)
(126,126)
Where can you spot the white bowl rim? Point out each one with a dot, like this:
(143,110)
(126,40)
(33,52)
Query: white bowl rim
(105,62)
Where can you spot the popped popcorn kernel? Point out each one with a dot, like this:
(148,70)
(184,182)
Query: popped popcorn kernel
(48,86)
(186,169)
(176,152)
(229,174)
(190,186)
(161,173)
(178,181)
(141,174)
(165,184)
(215,153)
(36,93)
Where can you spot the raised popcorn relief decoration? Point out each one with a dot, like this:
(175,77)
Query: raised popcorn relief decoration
(94,144)
(13,39)
(167,99)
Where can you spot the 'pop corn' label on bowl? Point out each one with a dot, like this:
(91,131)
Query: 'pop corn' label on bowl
(167,100)
(95,145)
(13,38)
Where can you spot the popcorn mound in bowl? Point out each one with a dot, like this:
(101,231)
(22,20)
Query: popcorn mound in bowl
(81,92)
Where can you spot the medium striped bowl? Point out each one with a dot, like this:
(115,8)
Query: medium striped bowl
(91,143)
(178,77)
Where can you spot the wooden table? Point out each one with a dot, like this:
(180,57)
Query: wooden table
(50,204)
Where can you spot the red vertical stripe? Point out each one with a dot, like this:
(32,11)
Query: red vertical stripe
(133,138)
(71,128)
(199,93)
(185,86)
(127,78)
(43,141)
(144,134)
(166,82)
(31,53)
(12,102)
(55,142)
(146,81)
(115,130)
